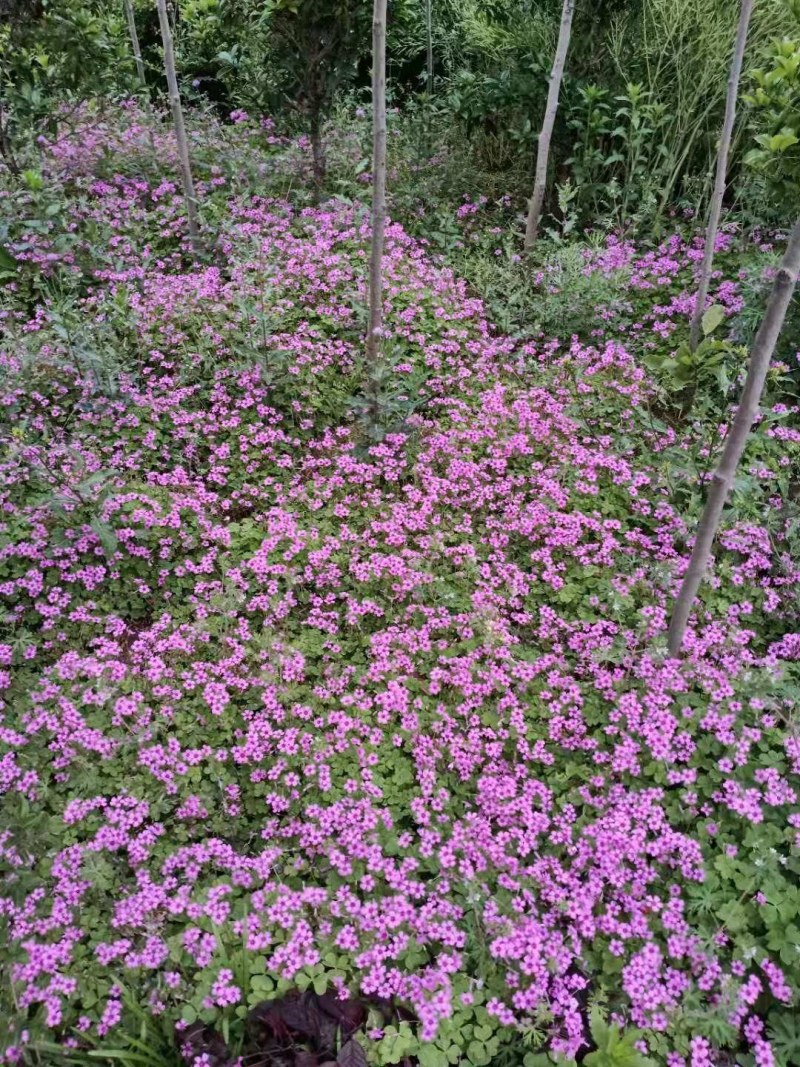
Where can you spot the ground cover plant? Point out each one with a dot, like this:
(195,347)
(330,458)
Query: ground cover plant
(337,718)
(289,709)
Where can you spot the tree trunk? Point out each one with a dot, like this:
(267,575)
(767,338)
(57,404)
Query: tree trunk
(317,155)
(715,209)
(180,129)
(543,151)
(722,481)
(378,180)
(140,71)
(134,36)
(429,38)
(6,148)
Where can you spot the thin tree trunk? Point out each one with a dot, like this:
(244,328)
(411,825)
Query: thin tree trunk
(723,478)
(134,36)
(378,180)
(317,155)
(140,71)
(180,128)
(715,209)
(429,37)
(6,148)
(543,151)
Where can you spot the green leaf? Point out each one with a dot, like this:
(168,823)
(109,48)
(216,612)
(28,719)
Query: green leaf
(106,535)
(599,1029)
(33,180)
(783,140)
(431,1056)
(784,1035)
(121,1054)
(7,261)
(477,1054)
(722,379)
(614,1048)
(712,318)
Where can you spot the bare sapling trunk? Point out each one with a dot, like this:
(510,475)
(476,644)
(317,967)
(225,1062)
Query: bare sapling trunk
(140,71)
(6,148)
(378,181)
(429,39)
(720,179)
(180,128)
(723,478)
(543,151)
(134,36)
(318,164)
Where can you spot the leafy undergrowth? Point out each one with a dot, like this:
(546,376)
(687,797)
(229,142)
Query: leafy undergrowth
(297,702)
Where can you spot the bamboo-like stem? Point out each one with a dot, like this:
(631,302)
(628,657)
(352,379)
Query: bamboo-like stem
(140,71)
(318,165)
(6,148)
(551,108)
(429,39)
(723,478)
(178,123)
(378,181)
(134,36)
(720,180)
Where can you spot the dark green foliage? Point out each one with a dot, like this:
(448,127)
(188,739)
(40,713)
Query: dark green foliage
(775,120)
(53,55)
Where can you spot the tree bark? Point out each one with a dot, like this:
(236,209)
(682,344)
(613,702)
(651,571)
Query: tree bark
(723,478)
(6,148)
(546,134)
(140,71)
(317,155)
(378,180)
(180,128)
(134,36)
(429,38)
(720,180)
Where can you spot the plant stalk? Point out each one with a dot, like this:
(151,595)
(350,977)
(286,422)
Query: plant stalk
(736,439)
(378,181)
(178,123)
(551,108)
(720,180)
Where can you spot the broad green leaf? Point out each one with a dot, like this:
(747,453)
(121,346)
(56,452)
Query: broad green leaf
(780,142)
(7,261)
(599,1028)
(431,1056)
(712,318)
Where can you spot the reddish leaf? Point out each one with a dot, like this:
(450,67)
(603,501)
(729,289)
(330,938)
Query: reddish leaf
(267,1014)
(351,1054)
(198,1039)
(295,1013)
(349,1014)
(305,1059)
